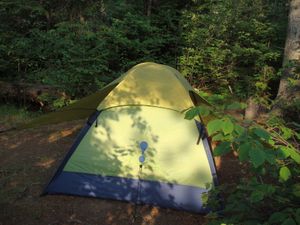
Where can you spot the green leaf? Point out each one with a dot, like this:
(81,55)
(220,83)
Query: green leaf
(296,190)
(214,126)
(256,196)
(284,173)
(267,189)
(261,133)
(218,137)
(190,114)
(239,129)
(289,221)
(294,155)
(227,126)
(236,106)
(286,132)
(277,218)
(204,198)
(250,222)
(271,142)
(297,216)
(297,135)
(222,149)
(270,157)
(257,156)
(204,111)
(244,151)
(199,110)
(284,152)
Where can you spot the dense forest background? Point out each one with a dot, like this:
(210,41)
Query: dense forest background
(231,51)
(79,46)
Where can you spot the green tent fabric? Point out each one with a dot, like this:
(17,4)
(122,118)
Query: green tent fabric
(138,147)
(78,110)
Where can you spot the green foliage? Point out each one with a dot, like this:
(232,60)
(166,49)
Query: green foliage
(200,110)
(269,194)
(75,46)
(222,149)
(225,46)
(11,116)
(54,102)
(220,45)
(284,173)
(233,45)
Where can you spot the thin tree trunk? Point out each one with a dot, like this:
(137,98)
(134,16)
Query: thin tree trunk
(148,7)
(252,109)
(48,15)
(287,93)
(102,9)
(81,17)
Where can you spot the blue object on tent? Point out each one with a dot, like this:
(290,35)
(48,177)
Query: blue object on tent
(142,159)
(143,146)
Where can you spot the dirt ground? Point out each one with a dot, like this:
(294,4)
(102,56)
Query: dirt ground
(29,158)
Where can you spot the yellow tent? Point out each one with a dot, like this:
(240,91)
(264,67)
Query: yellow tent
(146,83)
(137,146)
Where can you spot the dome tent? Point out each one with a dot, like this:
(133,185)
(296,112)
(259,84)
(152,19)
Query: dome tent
(138,147)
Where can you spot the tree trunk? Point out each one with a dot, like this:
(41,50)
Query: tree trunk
(102,10)
(48,15)
(148,7)
(252,109)
(287,93)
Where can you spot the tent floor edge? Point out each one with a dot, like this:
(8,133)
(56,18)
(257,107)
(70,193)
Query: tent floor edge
(124,189)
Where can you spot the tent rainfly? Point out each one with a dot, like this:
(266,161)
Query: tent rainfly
(138,147)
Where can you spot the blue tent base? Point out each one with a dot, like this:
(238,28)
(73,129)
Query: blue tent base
(167,195)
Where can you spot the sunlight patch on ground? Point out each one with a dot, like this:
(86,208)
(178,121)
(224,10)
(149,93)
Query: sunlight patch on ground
(109,218)
(12,146)
(45,163)
(61,134)
(130,210)
(13,184)
(13,140)
(151,217)
(15,145)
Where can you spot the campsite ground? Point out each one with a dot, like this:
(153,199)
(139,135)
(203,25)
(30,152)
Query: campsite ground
(28,159)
